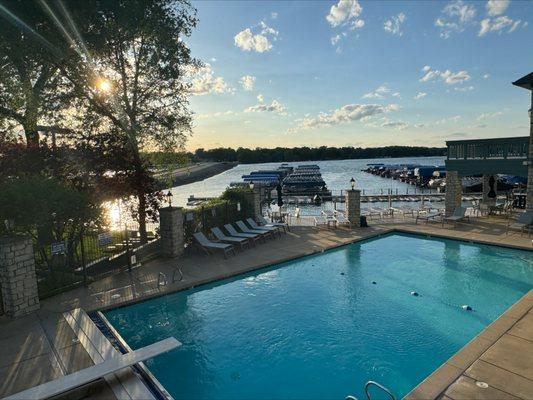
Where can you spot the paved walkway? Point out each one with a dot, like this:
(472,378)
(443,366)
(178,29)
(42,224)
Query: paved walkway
(42,347)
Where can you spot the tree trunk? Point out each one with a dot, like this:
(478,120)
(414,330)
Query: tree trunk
(141,213)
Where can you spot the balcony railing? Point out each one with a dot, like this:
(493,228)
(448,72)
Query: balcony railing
(501,148)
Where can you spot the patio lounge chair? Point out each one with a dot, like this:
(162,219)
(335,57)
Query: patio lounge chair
(403,211)
(264,222)
(459,214)
(242,226)
(252,236)
(230,239)
(430,216)
(207,245)
(524,221)
(254,225)
(341,218)
(320,220)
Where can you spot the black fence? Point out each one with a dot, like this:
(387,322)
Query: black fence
(63,265)
(205,217)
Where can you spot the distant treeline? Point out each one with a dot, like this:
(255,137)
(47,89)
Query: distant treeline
(283,154)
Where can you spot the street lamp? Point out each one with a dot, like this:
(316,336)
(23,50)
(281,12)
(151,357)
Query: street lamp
(252,185)
(169,198)
(352,182)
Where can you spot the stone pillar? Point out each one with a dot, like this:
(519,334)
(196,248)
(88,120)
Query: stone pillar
(529,196)
(171,231)
(486,189)
(17,276)
(353,206)
(453,195)
(256,199)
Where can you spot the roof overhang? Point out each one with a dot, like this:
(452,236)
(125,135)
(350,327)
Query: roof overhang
(525,82)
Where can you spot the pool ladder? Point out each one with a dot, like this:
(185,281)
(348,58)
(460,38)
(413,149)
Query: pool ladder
(162,277)
(367,386)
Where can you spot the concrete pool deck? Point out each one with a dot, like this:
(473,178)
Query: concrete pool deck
(42,347)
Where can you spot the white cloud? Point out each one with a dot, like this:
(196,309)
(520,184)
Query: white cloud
(335,39)
(344,114)
(496,7)
(393,25)
(203,82)
(448,77)
(486,76)
(464,89)
(399,125)
(457,15)
(357,24)
(420,95)
(489,115)
(454,119)
(260,42)
(260,98)
(345,12)
(274,15)
(397,94)
(216,114)
(379,93)
(499,24)
(247,82)
(275,106)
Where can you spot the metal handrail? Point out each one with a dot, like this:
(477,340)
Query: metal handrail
(178,269)
(370,383)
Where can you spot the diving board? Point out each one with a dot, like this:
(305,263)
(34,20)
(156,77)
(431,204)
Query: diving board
(88,375)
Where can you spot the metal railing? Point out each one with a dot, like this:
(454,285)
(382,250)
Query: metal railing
(367,391)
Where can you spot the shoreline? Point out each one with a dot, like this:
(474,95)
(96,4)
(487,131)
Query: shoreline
(191,174)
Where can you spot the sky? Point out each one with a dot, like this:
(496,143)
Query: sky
(359,73)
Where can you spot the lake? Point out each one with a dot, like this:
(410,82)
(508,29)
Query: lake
(336,174)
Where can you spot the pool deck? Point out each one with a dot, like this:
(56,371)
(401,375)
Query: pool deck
(42,347)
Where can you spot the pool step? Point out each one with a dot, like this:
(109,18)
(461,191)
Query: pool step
(368,396)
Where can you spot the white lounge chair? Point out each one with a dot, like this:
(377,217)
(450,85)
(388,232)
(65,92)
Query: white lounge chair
(459,214)
(206,244)
(264,222)
(242,226)
(252,236)
(524,221)
(430,216)
(341,218)
(242,242)
(254,225)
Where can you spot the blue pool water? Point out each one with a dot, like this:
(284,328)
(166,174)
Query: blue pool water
(317,327)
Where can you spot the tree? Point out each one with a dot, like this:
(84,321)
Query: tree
(130,78)
(28,69)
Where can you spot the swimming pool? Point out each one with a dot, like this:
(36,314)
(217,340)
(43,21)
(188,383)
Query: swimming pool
(321,326)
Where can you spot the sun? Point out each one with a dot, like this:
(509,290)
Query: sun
(104,85)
